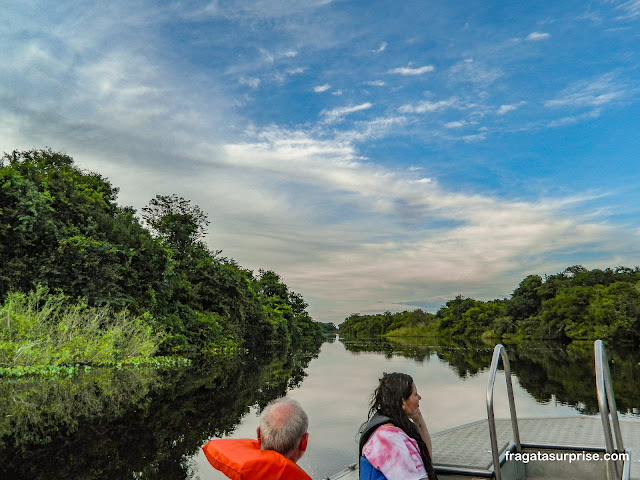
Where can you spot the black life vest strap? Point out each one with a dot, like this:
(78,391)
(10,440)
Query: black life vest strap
(374,422)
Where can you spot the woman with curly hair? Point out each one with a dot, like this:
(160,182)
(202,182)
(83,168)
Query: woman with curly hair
(395,443)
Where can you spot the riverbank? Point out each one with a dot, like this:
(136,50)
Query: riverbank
(85,282)
(576,304)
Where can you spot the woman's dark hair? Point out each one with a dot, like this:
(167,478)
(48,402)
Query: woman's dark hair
(387,400)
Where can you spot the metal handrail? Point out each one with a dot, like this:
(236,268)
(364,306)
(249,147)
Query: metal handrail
(626,466)
(500,352)
(607,402)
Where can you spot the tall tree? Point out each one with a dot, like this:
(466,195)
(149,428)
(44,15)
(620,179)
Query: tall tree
(175,220)
(61,226)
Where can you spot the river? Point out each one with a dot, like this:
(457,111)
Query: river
(147,424)
(340,381)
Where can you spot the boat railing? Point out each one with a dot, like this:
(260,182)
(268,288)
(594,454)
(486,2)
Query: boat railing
(607,403)
(499,352)
(626,466)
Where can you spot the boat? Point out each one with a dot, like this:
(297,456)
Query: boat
(547,448)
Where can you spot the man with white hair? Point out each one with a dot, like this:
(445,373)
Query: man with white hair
(282,440)
(283,428)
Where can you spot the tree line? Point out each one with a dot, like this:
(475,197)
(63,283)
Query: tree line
(62,233)
(575,304)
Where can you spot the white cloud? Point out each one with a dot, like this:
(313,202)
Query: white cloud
(583,99)
(336,114)
(375,83)
(337,93)
(631,10)
(505,109)
(594,17)
(254,9)
(561,122)
(412,71)
(589,93)
(473,72)
(336,165)
(267,56)
(381,48)
(371,129)
(478,137)
(321,88)
(458,124)
(352,262)
(427,106)
(252,82)
(509,108)
(537,36)
(120,91)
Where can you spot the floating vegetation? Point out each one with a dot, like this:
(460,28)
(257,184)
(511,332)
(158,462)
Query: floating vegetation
(71,370)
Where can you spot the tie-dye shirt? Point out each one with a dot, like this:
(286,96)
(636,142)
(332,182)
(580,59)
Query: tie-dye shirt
(395,454)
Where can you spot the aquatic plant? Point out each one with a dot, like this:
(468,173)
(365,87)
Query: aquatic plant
(47,333)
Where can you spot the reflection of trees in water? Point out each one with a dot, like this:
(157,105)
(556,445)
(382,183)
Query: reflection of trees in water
(110,424)
(560,373)
(467,359)
(375,344)
(547,371)
(566,374)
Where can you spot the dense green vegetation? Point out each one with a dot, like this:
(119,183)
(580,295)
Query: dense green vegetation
(576,304)
(381,324)
(328,328)
(49,334)
(63,235)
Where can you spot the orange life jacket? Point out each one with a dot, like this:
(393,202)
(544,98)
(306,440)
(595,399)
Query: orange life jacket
(243,459)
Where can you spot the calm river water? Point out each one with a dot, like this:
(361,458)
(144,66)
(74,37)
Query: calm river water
(150,425)
(451,380)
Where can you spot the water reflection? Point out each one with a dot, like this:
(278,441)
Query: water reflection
(451,379)
(547,371)
(132,424)
(151,424)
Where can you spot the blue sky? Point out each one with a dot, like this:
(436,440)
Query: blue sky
(378,155)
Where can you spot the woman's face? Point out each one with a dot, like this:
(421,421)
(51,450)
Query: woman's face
(411,405)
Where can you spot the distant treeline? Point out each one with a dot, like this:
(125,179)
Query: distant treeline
(576,304)
(62,233)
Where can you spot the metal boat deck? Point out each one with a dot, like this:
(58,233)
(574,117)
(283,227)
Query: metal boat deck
(469,447)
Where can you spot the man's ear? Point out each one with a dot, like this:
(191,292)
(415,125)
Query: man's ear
(303,442)
(258,433)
